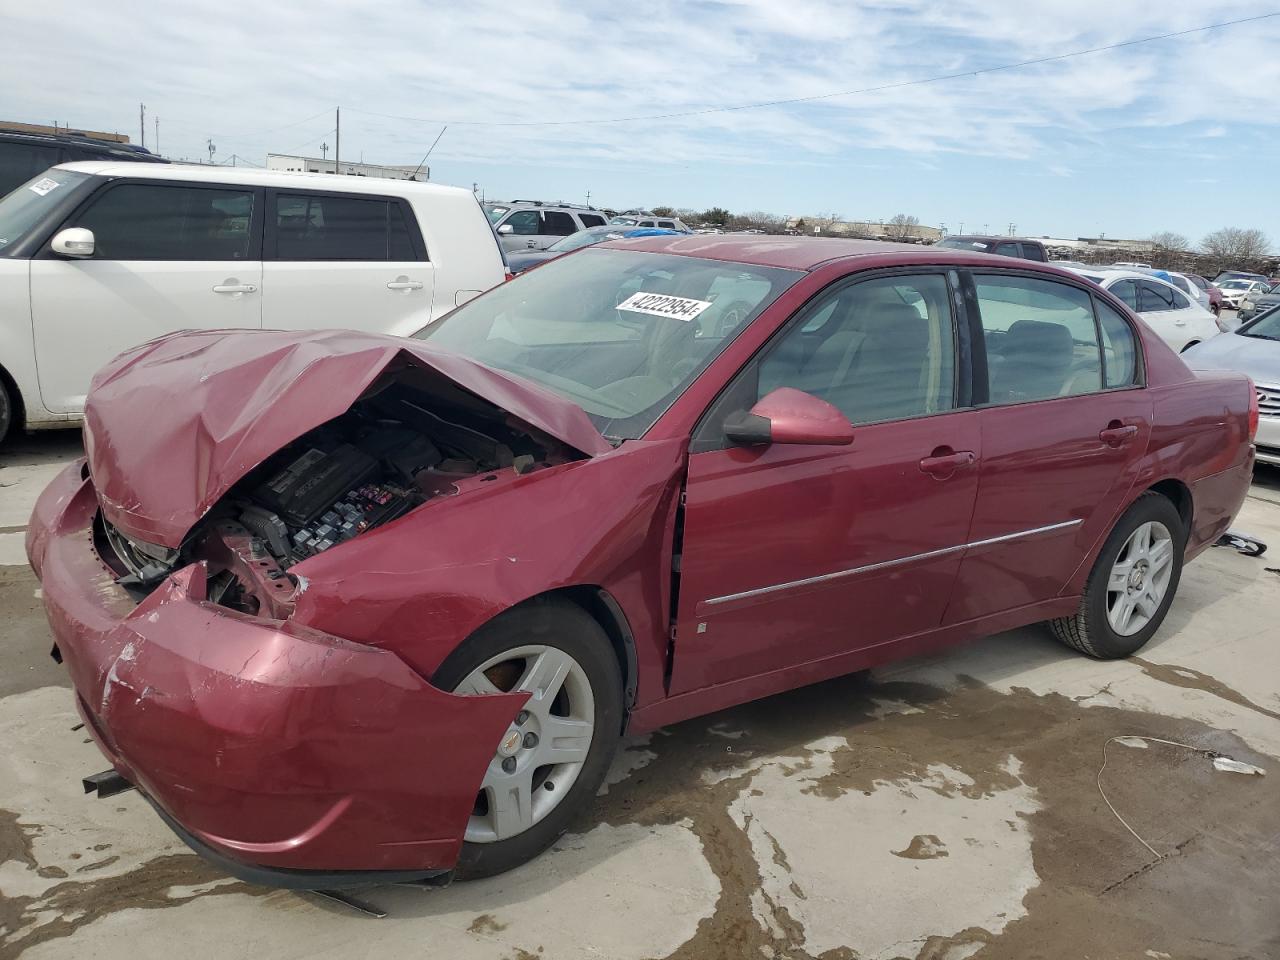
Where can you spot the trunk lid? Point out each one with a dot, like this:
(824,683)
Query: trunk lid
(171,425)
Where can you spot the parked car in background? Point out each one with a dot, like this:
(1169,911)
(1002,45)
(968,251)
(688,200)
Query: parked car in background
(1237,275)
(1130,265)
(651,220)
(98,257)
(1254,350)
(1184,283)
(1258,301)
(1179,320)
(1001,246)
(574,510)
(1236,289)
(519,262)
(24,154)
(534,225)
(1212,292)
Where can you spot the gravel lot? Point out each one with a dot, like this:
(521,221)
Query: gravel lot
(944,808)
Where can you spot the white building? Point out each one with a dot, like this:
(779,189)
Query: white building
(283,161)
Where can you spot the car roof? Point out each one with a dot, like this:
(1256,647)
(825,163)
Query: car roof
(246,176)
(808,253)
(989,239)
(81,140)
(1111,274)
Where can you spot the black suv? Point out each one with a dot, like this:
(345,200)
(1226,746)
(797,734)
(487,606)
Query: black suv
(23,154)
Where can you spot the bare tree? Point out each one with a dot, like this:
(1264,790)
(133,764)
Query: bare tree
(1168,240)
(1235,245)
(826,222)
(664,211)
(903,226)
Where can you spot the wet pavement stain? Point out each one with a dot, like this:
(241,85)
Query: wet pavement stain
(923,846)
(1098,895)
(1195,680)
(77,903)
(1195,903)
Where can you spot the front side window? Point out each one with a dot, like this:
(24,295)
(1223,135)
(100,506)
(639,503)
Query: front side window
(878,350)
(620,333)
(1008,250)
(22,211)
(158,221)
(524,223)
(319,227)
(1041,339)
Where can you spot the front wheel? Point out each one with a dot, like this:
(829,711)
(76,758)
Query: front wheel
(1132,584)
(550,762)
(6,411)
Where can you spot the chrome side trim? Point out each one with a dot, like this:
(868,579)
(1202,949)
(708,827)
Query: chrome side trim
(884,564)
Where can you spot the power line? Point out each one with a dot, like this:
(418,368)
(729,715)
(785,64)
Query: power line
(829,96)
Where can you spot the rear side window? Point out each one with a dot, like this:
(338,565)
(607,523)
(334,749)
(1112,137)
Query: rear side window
(1119,348)
(666,224)
(19,162)
(557,224)
(155,221)
(591,219)
(1154,298)
(317,227)
(1126,290)
(1033,251)
(1008,250)
(1041,338)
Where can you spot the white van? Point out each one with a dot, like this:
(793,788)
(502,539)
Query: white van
(98,257)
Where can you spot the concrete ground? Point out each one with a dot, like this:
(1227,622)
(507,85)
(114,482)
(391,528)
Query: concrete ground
(944,808)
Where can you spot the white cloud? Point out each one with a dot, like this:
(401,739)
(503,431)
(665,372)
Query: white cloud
(240,72)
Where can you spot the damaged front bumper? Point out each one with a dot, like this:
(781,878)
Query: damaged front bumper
(285,755)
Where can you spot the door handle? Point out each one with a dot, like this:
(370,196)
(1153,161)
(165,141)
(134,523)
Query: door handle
(1117,434)
(944,461)
(234,288)
(404,283)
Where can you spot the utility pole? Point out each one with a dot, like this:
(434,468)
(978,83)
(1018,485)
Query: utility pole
(1013,229)
(962,228)
(142,123)
(324,151)
(157,134)
(588,198)
(337,137)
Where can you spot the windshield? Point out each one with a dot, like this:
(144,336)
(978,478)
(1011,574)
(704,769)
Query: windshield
(1235,284)
(1265,326)
(495,213)
(618,332)
(584,238)
(23,208)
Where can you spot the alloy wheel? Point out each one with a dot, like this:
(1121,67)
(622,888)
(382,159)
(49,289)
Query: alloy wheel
(541,753)
(1139,578)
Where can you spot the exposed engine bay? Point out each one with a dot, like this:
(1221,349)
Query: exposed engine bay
(407,440)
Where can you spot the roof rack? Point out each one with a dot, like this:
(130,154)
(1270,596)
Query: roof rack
(555,203)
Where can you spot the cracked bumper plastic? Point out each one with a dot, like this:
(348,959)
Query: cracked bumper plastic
(275,748)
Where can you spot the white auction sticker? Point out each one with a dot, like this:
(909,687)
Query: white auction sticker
(664,305)
(44,187)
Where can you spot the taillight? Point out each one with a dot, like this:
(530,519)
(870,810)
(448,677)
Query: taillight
(1253,411)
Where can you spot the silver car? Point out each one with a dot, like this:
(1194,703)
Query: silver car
(534,225)
(1254,350)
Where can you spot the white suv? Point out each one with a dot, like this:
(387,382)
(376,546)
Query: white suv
(98,257)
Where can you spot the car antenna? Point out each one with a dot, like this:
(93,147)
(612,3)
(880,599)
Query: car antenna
(428,153)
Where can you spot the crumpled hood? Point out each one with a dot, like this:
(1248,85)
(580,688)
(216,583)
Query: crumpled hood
(171,425)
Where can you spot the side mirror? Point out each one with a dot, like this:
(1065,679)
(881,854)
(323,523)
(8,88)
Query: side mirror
(787,415)
(506,229)
(73,242)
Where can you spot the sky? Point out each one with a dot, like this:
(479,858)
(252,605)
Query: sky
(1176,134)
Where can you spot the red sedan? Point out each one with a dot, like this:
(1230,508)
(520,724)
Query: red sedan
(348,607)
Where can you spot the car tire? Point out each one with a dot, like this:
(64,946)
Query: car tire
(6,411)
(565,628)
(1092,629)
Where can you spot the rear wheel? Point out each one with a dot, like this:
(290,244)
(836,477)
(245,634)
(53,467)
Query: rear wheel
(550,762)
(1132,584)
